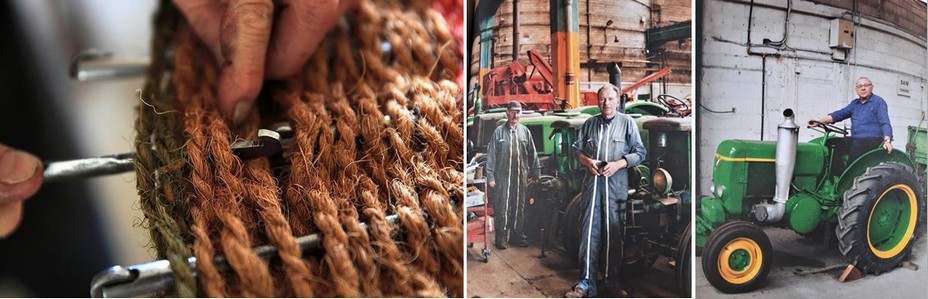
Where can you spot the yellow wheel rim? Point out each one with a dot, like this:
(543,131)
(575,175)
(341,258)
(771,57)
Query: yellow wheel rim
(897,238)
(740,261)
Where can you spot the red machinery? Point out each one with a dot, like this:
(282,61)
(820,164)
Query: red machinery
(532,85)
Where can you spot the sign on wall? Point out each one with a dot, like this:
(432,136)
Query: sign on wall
(903,86)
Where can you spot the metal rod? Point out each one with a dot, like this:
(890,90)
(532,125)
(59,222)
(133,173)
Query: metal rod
(269,142)
(156,278)
(89,167)
(99,65)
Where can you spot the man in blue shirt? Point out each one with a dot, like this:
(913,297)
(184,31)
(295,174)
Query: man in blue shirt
(870,120)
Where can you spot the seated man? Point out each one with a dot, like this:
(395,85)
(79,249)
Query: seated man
(870,120)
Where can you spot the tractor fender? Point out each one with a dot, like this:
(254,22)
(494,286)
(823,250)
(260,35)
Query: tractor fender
(867,160)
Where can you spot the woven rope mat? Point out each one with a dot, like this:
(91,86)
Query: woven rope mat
(376,134)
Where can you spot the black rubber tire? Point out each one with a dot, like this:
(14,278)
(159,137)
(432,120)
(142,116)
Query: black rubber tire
(683,272)
(719,241)
(571,232)
(854,214)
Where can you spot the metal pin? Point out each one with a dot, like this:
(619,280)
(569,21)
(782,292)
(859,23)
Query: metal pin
(90,167)
(156,278)
(387,49)
(269,142)
(94,64)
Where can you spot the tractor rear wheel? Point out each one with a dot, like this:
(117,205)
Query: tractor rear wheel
(736,257)
(877,221)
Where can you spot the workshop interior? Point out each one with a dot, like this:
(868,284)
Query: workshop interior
(465,148)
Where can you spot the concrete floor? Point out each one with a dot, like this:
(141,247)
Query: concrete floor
(518,272)
(792,252)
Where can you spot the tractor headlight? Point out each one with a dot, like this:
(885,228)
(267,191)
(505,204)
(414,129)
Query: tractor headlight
(661,180)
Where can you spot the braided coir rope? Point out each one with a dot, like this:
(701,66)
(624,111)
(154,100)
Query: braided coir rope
(375,135)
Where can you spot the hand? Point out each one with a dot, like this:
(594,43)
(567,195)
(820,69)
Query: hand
(888,146)
(239,33)
(20,178)
(614,166)
(591,167)
(492,184)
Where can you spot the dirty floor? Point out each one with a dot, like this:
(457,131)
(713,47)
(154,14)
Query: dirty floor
(519,272)
(793,252)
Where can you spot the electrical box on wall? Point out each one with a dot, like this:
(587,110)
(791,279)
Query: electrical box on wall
(842,34)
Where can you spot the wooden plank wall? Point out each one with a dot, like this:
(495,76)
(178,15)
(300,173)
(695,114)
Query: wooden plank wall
(621,41)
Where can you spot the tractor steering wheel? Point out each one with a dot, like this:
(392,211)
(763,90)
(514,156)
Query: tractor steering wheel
(829,128)
(672,102)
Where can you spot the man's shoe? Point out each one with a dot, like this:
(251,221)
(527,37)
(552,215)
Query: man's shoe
(576,292)
(501,246)
(521,243)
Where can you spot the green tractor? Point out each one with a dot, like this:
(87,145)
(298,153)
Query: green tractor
(658,211)
(874,204)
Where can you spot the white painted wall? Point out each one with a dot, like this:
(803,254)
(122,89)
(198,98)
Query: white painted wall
(804,78)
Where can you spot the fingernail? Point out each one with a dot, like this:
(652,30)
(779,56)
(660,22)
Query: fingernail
(17,166)
(241,111)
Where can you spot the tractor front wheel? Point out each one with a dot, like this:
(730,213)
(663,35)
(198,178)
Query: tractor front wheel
(877,221)
(736,257)
(684,264)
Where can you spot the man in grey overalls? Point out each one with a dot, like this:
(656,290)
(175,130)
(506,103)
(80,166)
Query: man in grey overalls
(607,146)
(511,160)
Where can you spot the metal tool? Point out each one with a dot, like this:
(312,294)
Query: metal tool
(92,64)
(156,278)
(89,167)
(269,142)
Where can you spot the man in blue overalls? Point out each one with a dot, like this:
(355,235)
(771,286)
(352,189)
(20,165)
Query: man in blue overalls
(607,146)
(511,162)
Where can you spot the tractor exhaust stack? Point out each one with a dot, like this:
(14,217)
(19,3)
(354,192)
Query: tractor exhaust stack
(615,77)
(787,137)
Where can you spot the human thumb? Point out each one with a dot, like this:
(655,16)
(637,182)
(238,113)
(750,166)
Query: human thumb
(20,178)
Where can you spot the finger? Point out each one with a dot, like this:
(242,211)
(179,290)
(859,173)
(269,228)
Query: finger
(204,16)
(20,175)
(244,35)
(301,26)
(10,215)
